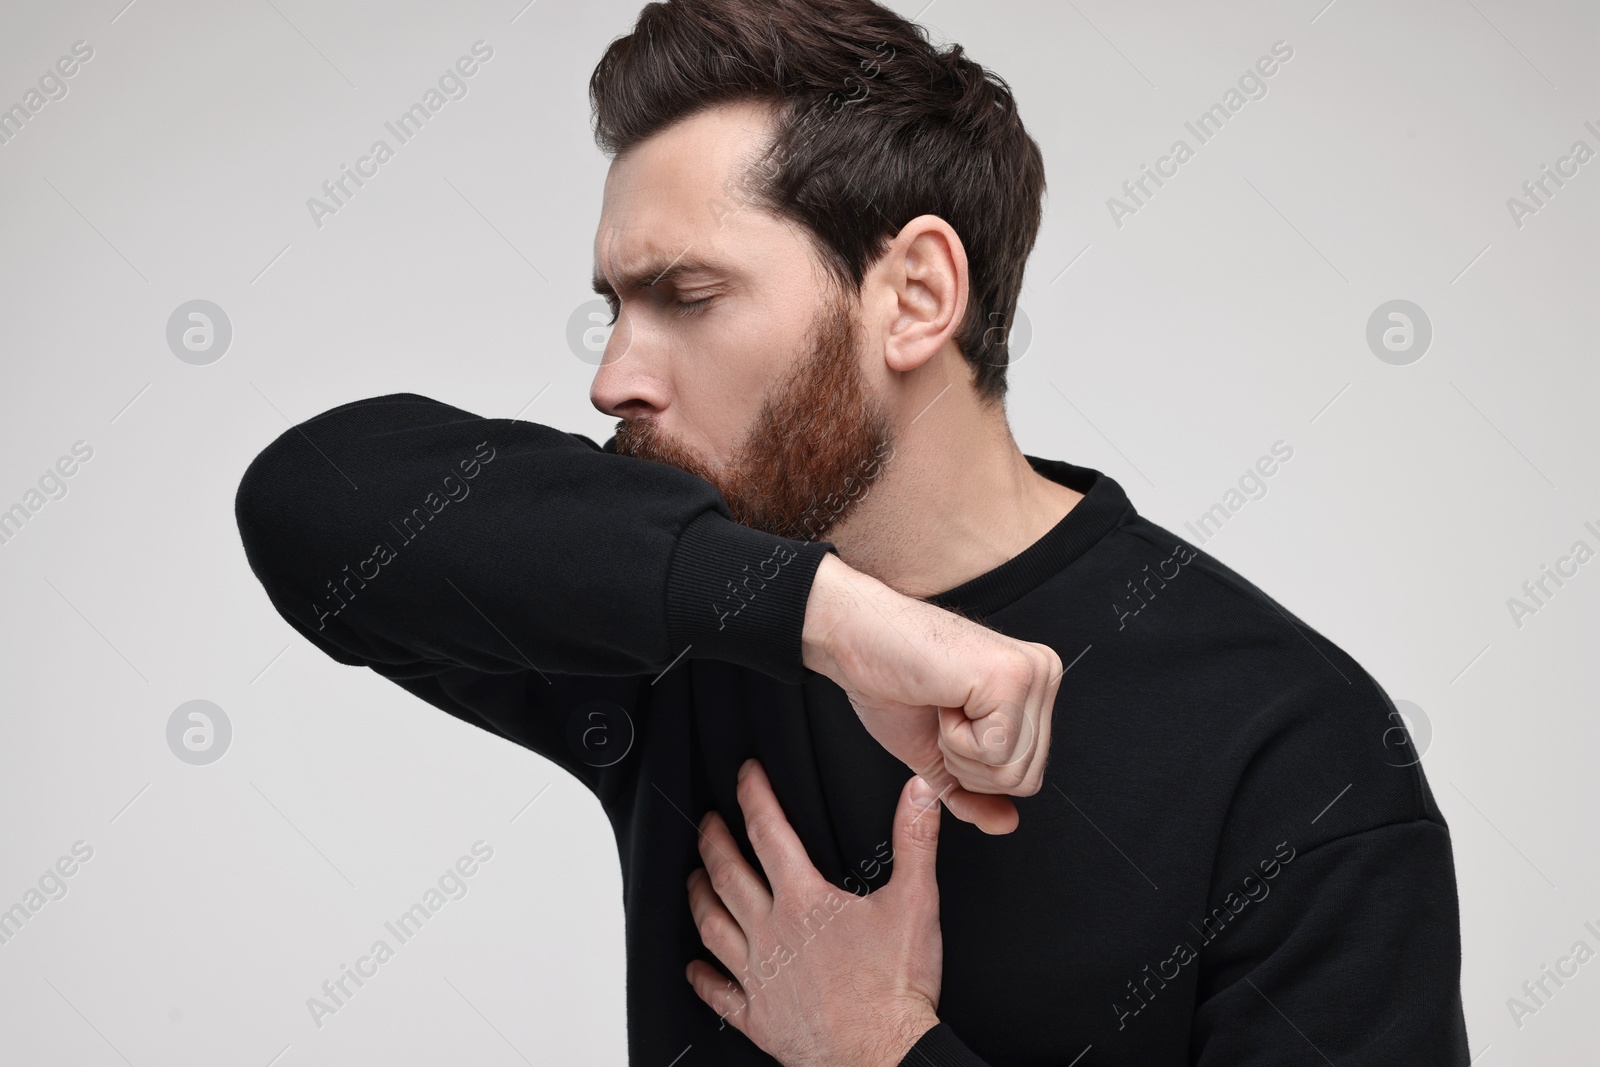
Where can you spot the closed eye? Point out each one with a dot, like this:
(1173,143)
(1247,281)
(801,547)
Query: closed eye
(679,307)
(691,307)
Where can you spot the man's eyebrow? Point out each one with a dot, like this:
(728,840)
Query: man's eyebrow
(656,272)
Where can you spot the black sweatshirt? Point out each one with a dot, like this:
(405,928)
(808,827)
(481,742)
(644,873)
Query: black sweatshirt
(1235,859)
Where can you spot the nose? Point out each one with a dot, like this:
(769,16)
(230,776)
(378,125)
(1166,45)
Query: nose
(627,385)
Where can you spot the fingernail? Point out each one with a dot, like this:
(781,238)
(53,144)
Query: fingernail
(923,795)
(744,768)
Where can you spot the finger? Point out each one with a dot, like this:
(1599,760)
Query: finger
(1001,736)
(740,888)
(724,997)
(1047,715)
(1006,750)
(916,841)
(1028,774)
(992,813)
(1040,711)
(783,857)
(719,930)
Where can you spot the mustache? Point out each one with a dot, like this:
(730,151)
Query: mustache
(805,458)
(643,438)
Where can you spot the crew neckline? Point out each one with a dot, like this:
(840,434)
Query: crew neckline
(1104,506)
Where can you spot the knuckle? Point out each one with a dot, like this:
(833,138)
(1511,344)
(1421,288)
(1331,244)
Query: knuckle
(797,911)
(723,877)
(787,911)
(998,742)
(924,829)
(1044,669)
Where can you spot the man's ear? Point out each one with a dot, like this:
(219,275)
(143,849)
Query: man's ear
(923,277)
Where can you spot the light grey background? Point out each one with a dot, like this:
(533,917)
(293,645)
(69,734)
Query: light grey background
(1229,313)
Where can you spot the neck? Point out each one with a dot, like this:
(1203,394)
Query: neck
(955,500)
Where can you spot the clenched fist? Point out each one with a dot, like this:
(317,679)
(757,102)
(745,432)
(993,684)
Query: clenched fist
(963,706)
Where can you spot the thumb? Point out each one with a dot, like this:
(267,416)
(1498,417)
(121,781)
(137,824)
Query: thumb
(993,813)
(916,837)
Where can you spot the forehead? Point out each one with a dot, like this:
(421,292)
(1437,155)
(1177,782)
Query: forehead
(677,190)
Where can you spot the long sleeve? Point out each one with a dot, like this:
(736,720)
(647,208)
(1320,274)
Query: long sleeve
(940,1047)
(1332,930)
(1353,957)
(485,564)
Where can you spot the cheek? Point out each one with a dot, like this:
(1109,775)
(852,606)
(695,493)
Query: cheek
(726,374)
(718,393)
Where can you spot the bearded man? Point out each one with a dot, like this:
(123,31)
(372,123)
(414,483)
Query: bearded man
(812,587)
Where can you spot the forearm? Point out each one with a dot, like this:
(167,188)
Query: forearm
(829,598)
(399,530)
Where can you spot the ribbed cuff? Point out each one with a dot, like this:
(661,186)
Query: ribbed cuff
(737,594)
(940,1047)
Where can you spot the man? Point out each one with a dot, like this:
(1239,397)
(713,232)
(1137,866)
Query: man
(1214,848)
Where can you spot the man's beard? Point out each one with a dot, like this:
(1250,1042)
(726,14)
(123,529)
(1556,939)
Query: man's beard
(808,457)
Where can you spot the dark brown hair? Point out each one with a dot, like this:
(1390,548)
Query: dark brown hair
(874,126)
